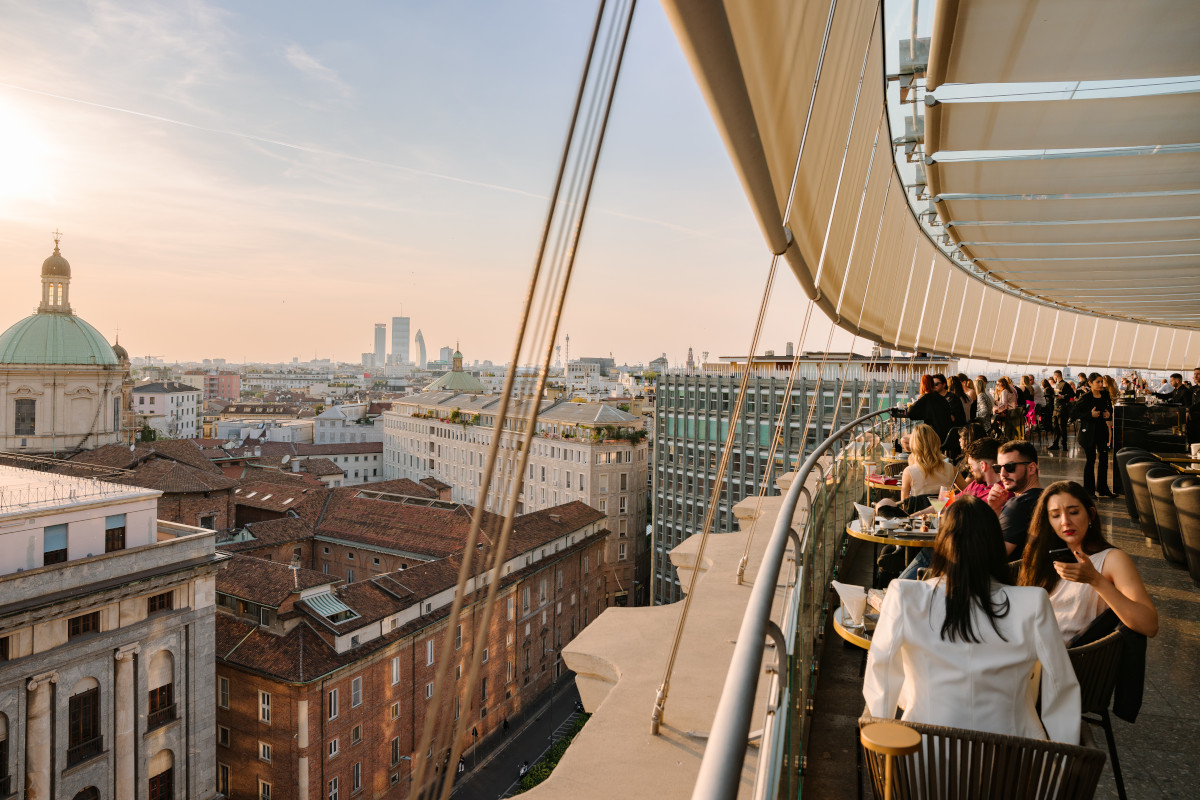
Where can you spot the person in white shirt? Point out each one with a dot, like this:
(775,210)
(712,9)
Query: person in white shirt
(1068,556)
(960,648)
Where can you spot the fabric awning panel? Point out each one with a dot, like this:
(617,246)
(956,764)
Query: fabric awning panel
(1143,121)
(1142,173)
(1018,41)
(964,210)
(755,59)
(997,252)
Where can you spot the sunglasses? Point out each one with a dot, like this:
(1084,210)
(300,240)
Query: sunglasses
(1011,466)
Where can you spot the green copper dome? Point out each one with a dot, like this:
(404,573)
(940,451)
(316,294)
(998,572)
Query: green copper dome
(50,338)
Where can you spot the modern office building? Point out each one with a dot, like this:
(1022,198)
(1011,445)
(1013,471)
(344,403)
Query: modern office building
(420,341)
(380,343)
(400,328)
(589,452)
(106,643)
(691,422)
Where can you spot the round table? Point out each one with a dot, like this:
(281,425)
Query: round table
(878,485)
(856,636)
(912,539)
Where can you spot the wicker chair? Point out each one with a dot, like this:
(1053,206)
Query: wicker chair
(1096,669)
(1122,458)
(1159,481)
(957,764)
(1136,468)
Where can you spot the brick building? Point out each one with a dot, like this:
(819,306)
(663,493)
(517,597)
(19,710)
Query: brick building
(323,685)
(193,490)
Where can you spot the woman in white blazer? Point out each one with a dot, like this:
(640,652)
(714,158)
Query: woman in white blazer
(960,648)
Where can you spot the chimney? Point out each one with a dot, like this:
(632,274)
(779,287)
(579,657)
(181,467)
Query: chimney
(257,452)
(295,465)
(789,350)
(556,517)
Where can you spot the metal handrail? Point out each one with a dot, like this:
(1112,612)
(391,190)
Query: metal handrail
(721,767)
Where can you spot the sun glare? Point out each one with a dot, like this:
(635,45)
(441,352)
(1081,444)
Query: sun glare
(22,158)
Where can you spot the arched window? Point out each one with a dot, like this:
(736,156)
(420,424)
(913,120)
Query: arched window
(90,793)
(83,722)
(162,776)
(161,680)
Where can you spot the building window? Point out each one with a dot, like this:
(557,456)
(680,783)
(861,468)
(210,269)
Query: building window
(356,692)
(83,720)
(54,544)
(264,790)
(161,706)
(395,669)
(485,655)
(223,692)
(458,638)
(395,750)
(264,751)
(395,711)
(428,690)
(209,521)
(160,602)
(264,616)
(428,652)
(511,607)
(333,747)
(114,533)
(223,779)
(223,736)
(83,624)
(162,785)
(333,703)
(356,776)
(264,707)
(483,695)
(356,734)
(26,417)
(621,551)
(333,789)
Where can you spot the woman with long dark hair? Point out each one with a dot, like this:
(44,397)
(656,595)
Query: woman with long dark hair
(961,646)
(1094,410)
(1068,556)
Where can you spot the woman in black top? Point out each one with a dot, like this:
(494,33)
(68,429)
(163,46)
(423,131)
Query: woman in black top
(1046,412)
(1094,410)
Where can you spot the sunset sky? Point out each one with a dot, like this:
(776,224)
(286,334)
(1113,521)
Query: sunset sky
(266,180)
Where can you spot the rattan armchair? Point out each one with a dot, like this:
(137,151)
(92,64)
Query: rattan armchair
(1096,669)
(957,764)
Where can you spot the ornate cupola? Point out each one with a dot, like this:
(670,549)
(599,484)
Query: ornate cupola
(56,282)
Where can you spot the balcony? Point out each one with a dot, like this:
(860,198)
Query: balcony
(85,750)
(160,717)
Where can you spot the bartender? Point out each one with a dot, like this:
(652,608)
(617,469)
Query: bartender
(1177,393)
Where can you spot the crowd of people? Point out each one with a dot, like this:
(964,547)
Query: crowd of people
(1017,573)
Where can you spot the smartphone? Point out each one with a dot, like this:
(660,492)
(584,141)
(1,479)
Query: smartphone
(1064,554)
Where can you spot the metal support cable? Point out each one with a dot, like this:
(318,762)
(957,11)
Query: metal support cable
(558,274)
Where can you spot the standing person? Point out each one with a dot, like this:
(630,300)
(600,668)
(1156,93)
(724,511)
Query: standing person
(1006,410)
(931,407)
(984,403)
(957,389)
(1094,410)
(1046,411)
(960,647)
(968,387)
(1193,412)
(1098,576)
(1064,396)
(1015,496)
(958,416)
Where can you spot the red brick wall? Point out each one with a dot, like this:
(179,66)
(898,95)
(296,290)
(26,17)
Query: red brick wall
(188,509)
(341,558)
(374,715)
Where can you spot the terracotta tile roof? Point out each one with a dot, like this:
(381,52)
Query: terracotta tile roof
(268,583)
(267,533)
(270,495)
(538,527)
(253,473)
(184,451)
(320,467)
(435,484)
(171,477)
(299,655)
(393,522)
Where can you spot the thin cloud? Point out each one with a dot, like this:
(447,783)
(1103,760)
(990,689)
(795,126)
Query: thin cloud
(299,58)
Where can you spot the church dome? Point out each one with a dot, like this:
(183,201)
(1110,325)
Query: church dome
(55,339)
(462,382)
(120,352)
(56,266)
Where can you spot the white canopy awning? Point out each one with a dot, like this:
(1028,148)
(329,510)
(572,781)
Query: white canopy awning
(1042,234)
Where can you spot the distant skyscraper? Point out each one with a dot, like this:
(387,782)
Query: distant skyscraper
(380,343)
(446,354)
(400,340)
(421,361)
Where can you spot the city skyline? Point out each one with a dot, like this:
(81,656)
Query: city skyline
(272,168)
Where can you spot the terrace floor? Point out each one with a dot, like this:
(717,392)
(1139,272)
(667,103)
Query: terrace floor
(1158,753)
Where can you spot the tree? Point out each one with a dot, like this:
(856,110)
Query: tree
(147,434)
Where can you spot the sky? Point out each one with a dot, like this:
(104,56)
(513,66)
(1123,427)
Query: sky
(261,181)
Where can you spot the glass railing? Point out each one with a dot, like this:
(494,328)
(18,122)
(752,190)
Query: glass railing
(788,624)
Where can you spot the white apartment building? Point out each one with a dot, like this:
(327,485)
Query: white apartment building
(581,451)
(107,643)
(345,423)
(169,407)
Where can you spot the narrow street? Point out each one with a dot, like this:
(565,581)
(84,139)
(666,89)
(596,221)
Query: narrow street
(497,773)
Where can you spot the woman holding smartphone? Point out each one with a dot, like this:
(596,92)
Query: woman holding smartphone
(1068,556)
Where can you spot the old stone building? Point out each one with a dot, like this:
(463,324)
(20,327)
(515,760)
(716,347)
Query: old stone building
(106,643)
(324,685)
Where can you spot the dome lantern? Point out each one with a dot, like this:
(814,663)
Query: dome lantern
(56,282)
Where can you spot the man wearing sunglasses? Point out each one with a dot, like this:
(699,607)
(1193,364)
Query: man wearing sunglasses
(1017,465)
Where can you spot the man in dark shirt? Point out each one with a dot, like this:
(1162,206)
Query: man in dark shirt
(1017,464)
(1193,411)
(1177,394)
(1064,395)
(932,409)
